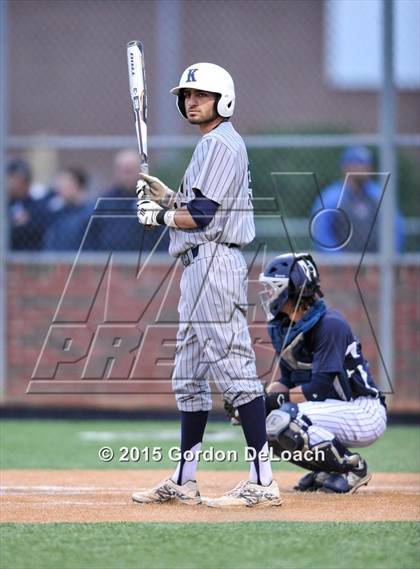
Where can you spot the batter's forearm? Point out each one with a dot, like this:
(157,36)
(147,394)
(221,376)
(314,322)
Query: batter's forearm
(184,220)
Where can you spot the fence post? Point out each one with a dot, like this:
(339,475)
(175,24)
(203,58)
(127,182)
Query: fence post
(3,196)
(168,62)
(388,163)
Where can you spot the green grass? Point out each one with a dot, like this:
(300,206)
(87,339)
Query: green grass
(69,444)
(241,545)
(66,444)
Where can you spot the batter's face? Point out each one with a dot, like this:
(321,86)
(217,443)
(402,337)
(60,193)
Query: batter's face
(199,107)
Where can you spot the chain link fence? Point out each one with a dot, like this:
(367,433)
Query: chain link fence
(307,77)
(67,86)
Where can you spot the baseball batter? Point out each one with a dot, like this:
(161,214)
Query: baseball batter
(321,359)
(210,220)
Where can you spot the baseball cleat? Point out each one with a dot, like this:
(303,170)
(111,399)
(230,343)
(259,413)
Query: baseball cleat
(311,482)
(168,490)
(248,494)
(348,483)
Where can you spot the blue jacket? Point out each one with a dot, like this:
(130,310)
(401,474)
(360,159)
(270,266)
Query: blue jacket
(331,229)
(66,228)
(27,236)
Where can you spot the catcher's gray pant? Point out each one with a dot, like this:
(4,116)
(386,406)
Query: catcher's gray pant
(213,340)
(355,423)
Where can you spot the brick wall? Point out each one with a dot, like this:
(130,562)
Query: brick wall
(139,307)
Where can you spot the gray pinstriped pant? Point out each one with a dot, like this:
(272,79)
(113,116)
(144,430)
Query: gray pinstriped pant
(355,423)
(213,340)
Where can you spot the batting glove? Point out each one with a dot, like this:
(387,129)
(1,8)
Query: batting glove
(156,190)
(142,190)
(150,213)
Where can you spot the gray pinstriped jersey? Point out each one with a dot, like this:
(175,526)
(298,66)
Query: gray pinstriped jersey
(219,169)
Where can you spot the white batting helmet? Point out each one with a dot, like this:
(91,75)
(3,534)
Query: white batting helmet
(207,77)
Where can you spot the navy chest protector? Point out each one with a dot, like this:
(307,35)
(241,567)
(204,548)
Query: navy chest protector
(288,341)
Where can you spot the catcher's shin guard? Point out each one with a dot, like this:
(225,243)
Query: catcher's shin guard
(282,426)
(287,432)
(335,457)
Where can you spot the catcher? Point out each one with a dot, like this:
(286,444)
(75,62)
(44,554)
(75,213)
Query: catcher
(322,361)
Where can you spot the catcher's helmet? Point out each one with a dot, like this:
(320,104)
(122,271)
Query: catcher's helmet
(207,77)
(287,277)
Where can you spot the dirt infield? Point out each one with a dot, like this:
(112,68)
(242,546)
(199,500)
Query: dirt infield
(41,496)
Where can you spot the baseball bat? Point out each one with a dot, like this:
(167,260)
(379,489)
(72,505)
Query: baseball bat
(138,93)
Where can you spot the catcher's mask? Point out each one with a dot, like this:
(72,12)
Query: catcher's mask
(288,276)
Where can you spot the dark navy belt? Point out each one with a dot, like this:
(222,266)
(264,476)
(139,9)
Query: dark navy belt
(188,257)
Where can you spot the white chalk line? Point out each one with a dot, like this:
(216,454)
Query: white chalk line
(77,490)
(59,490)
(161,435)
(389,488)
(54,503)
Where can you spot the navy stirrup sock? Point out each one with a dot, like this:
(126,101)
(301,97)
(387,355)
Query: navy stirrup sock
(252,416)
(193,424)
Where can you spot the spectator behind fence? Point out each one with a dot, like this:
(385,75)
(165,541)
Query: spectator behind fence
(115,227)
(27,216)
(357,194)
(69,211)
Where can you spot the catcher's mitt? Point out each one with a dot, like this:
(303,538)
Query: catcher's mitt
(272,401)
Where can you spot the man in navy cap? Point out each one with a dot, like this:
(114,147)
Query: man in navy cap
(27,216)
(343,218)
